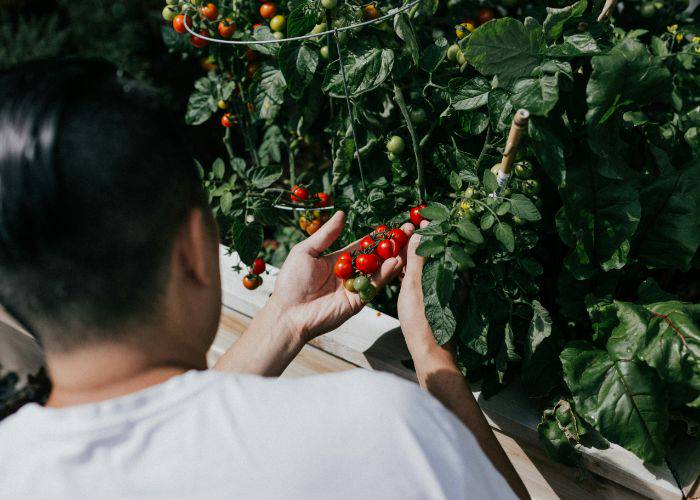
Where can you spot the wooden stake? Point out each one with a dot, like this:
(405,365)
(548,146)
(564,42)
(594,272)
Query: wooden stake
(517,129)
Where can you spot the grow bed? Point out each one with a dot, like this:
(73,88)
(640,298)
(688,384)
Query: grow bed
(373,340)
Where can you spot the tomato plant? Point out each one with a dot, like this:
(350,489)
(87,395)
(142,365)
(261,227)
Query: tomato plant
(576,273)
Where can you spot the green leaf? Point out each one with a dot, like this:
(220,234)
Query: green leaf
(459,257)
(270,147)
(504,234)
(202,102)
(455,181)
(537,95)
(487,221)
(433,55)
(218,168)
(298,64)
(506,48)
(404,30)
(556,18)
(622,398)
(269,91)
(469,94)
(247,240)
(268,49)
(441,319)
(521,206)
(548,145)
(366,68)
(469,232)
(435,211)
(560,437)
(430,247)
(264,176)
(300,22)
(489,181)
(625,75)
(226,202)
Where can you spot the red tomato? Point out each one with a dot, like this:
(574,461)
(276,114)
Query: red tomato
(198,42)
(380,229)
(399,238)
(250,54)
(258,266)
(367,263)
(366,242)
(179,23)
(209,11)
(323,200)
(228,120)
(484,15)
(268,10)
(387,249)
(370,12)
(343,269)
(252,281)
(346,257)
(226,28)
(415,215)
(299,194)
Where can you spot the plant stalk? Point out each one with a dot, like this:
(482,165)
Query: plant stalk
(398,97)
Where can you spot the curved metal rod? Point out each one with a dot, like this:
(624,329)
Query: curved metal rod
(304,209)
(304,37)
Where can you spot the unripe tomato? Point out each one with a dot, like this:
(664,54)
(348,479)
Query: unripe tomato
(399,238)
(258,266)
(299,194)
(366,242)
(484,15)
(277,35)
(171,2)
(343,269)
(313,226)
(418,115)
(222,104)
(209,11)
(518,221)
(392,157)
(495,169)
(452,52)
(226,28)
(369,294)
(370,12)
(228,120)
(319,28)
(461,58)
(395,145)
(531,186)
(252,281)
(361,283)
(324,52)
(199,42)
(647,9)
(469,192)
(349,285)
(268,10)
(169,13)
(415,215)
(387,249)
(323,200)
(524,169)
(329,4)
(179,23)
(367,263)
(277,23)
(463,29)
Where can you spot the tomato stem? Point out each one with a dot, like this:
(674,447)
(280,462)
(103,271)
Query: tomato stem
(398,97)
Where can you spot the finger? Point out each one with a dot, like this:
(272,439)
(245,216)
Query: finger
(408,229)
(414,262)
(389,269)
(315,244)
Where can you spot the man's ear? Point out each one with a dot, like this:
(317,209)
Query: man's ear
(196,242)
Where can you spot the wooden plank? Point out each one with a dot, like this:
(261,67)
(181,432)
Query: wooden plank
(375,342)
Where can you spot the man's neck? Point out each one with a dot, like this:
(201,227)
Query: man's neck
(105,371)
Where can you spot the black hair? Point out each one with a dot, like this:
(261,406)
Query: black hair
(95,180)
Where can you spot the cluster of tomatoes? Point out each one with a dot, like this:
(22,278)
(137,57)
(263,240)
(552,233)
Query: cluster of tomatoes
(483,15)
(355,269)
(311,220)
(209,13)
(253,280)
(278,22)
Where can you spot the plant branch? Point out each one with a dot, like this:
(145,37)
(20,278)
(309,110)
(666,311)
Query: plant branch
(398,97)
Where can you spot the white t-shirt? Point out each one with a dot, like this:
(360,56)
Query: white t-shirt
(216,435)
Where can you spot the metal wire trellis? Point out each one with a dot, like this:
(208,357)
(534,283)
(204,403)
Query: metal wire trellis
(334,32)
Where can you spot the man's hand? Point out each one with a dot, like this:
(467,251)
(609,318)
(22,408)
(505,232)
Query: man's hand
(313,299)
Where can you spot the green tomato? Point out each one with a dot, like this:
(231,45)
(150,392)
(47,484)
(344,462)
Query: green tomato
(392,157)
(169,13)
(172,2)
(506,192)
(277,23)
(452,52)
(495,169)
(647,10)
(319,28)
(469,192)
(524,169)
(518,221)
(361,283)
(278,35)
(531,186)
(395,145)
(369,294)
(418,115)
(461,59)
(349,285)
(324,52)
(329,4)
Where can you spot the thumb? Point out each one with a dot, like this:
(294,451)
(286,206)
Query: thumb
(318,242)
(414,262)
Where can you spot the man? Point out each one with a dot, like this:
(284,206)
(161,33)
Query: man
(108,254)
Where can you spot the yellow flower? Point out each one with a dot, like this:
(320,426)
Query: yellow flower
(679,38)
(673,28)
(697,49)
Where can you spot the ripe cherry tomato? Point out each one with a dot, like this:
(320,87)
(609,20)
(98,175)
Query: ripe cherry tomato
(299,194)
(387,249)
(277,23)
(251,69)
(323,200)
(380,229)
(209,11)
(228,120)
(415,215)
(370,12)
(399,238)
(226,28)
(198,42)
(250,54)
(179,23)
(313,226)
(343,269)
(258,266)
(346,256)
(484,15)
(366,242)
(268,10)
(367,263)
(252,281)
